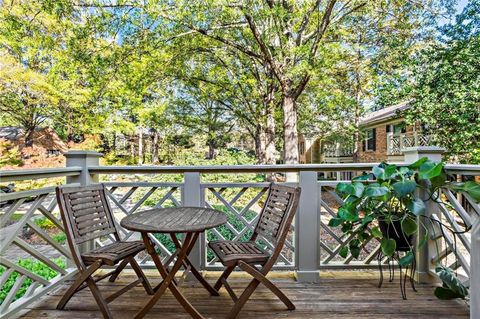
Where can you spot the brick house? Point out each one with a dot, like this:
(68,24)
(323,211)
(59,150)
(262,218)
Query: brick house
(384,136)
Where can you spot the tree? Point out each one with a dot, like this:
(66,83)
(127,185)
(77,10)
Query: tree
(202,116)
(25,97)
(446,91)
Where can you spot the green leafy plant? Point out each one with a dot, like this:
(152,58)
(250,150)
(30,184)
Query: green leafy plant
(387,201)
(34,266)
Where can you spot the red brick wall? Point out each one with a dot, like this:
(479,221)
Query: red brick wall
(380,152)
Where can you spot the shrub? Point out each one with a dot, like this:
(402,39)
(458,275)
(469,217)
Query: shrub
(34,266)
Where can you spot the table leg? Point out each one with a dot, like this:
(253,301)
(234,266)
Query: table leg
(194,270)
(189,242)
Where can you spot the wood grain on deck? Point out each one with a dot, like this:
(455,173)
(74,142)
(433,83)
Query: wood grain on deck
(338,295)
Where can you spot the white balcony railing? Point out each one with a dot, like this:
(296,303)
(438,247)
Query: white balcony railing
(311,247)
(338,150)
(397,142)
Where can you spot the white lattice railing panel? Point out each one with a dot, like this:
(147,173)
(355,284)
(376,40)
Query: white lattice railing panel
(34,256)
(126,198)
(456,215)
(242,203)
(332,240)
(394,146)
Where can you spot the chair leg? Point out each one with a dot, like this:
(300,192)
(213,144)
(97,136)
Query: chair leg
(141,275)
(243,299)
(118,270)
(81,278)
(102,304)
(224,276)
(264,280)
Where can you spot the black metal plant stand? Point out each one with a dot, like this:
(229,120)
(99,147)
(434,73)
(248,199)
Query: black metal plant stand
(391,269)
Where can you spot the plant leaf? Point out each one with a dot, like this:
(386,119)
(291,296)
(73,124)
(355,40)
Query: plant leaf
(376,232)
(451,282)
(390,171)
(344,188)
(355,251)
(388,246)
(404,188)
(343,252)
(418,163)
(409,226)
(335,222)
(443,293)
(406,260)
(379,172)
(375,190)
(358,189)
(472,189)
(416,206)
(429,170)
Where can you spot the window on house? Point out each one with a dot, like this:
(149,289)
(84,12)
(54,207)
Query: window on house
(370,140)
(301,148)
(396,128)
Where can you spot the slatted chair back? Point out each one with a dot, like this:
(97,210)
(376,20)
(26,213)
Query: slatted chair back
(86,213)
(277,214)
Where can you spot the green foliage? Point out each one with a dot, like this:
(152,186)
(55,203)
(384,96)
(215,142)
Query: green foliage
(452,287)
(9,155)
(36,267)
(388,194)
(446,92)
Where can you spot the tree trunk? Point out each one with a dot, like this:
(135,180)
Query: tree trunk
(260,144)
(132,147)
(270,137)
(290,134)
(155,148)
(211,150)
(29,136)
(140,147)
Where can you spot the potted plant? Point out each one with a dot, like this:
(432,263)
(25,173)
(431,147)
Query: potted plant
(386,204)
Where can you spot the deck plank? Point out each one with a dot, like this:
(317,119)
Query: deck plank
(335,297)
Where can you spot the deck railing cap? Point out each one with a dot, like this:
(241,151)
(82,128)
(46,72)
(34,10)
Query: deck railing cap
(81,153)
(424,150)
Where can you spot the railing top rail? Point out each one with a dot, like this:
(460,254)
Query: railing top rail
(31,174)
(462,169)
(38,173)
(280,168)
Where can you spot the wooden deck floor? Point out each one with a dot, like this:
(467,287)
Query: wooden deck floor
(339,295)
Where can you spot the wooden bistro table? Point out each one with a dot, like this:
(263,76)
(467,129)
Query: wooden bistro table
(190,221)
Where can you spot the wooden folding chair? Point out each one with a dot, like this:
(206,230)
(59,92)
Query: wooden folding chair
(87,215)
(273,225)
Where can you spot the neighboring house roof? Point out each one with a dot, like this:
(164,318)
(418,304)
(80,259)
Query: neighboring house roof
(10,132)
(387,113)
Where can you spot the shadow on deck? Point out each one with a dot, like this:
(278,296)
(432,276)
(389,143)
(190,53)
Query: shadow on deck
(338,295)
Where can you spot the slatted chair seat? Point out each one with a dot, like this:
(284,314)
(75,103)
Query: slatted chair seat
(273,225)
(111,254)
(230,252)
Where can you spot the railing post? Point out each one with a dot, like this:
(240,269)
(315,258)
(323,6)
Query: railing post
(475,270)
(83,159)
(423,255)
(191,196)
(307,229)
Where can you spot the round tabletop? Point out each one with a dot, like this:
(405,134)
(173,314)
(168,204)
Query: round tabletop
(174,220)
